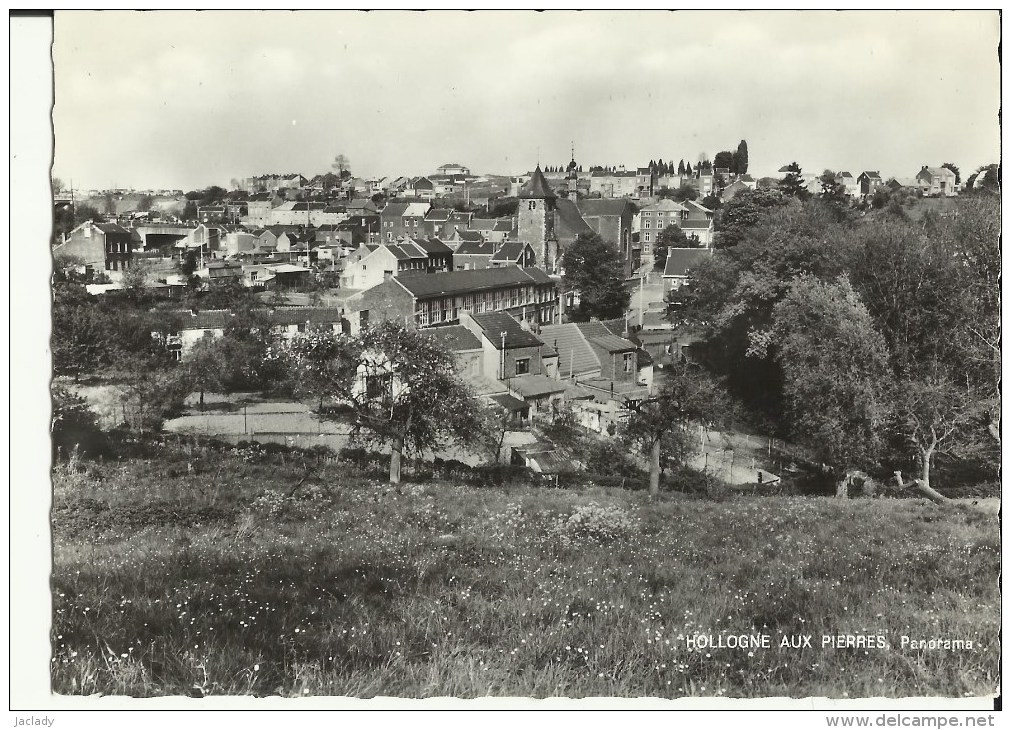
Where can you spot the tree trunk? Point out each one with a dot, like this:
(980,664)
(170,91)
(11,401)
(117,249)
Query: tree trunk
(398,450)
(201,400)
(923,483)
(654,469)
(924,488)
(498,451)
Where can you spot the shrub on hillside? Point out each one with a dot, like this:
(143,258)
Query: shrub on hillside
(75,426)
(611,458)
(594,523)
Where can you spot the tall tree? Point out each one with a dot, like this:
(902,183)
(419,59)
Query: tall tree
(204,365)
(400,384)
(663,426)
(341,164)
(740,163)
(793,184)
(733,295)
(836,373)
(724,159)
(685,192)
(594,269)
(681,167)
(670,237)
(833,192)
(743,212)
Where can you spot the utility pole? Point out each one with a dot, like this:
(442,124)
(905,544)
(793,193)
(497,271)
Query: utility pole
(642,293)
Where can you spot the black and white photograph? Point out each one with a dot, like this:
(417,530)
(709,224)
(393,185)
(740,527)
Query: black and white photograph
(637,357)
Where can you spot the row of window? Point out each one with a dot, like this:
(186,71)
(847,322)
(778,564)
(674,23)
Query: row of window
(515,297)
(438,315)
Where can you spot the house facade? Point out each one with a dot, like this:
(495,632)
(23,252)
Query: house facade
(680,264)
(438,299)
(869,181)
(104,247)
(613,221)
(654,218)
(937,181)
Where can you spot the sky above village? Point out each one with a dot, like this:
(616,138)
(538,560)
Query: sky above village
(181,99)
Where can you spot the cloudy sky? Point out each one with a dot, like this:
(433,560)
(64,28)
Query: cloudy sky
(189,99)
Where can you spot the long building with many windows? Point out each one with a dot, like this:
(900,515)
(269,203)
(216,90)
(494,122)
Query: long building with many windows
(427,300)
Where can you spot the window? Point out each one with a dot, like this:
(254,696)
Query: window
(628,362)
(523,366)
(376,386)
(647,224)
(646,237)
(532,205)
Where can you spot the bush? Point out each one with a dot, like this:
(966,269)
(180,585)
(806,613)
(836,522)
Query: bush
(699,483)
(594,523)
(501,475)
(610,458)
(275,505)
(75,426)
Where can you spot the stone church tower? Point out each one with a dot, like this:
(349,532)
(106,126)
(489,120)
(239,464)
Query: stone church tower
(536,220)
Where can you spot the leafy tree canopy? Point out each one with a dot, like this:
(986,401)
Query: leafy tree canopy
(594,269)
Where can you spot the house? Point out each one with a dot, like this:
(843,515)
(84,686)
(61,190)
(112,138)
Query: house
(849,182)
(452,168)
(212,213)
(440,256)
(473,255)
(869,181)
(372,263)
(514,253)
(358,229)
(603,363)
(911,183)
(273,182)
(654,218)
(518,357)
(698,223)
(680,263)
(104,247)
(733,189)
(613,221)
(469,355)
(396,186)
(220,273)
(618,184)
(258,207)
(361,207)
(402,219)
(937,181)
(235,242)
(459,237)
(492,229)
(195,325)
(421,187)
(437,299)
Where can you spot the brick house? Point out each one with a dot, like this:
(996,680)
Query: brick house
(515,355)
(612,220)
(437,299)
(104,247)
(398,220)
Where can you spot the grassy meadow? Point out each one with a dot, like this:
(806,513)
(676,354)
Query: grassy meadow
(191,571)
